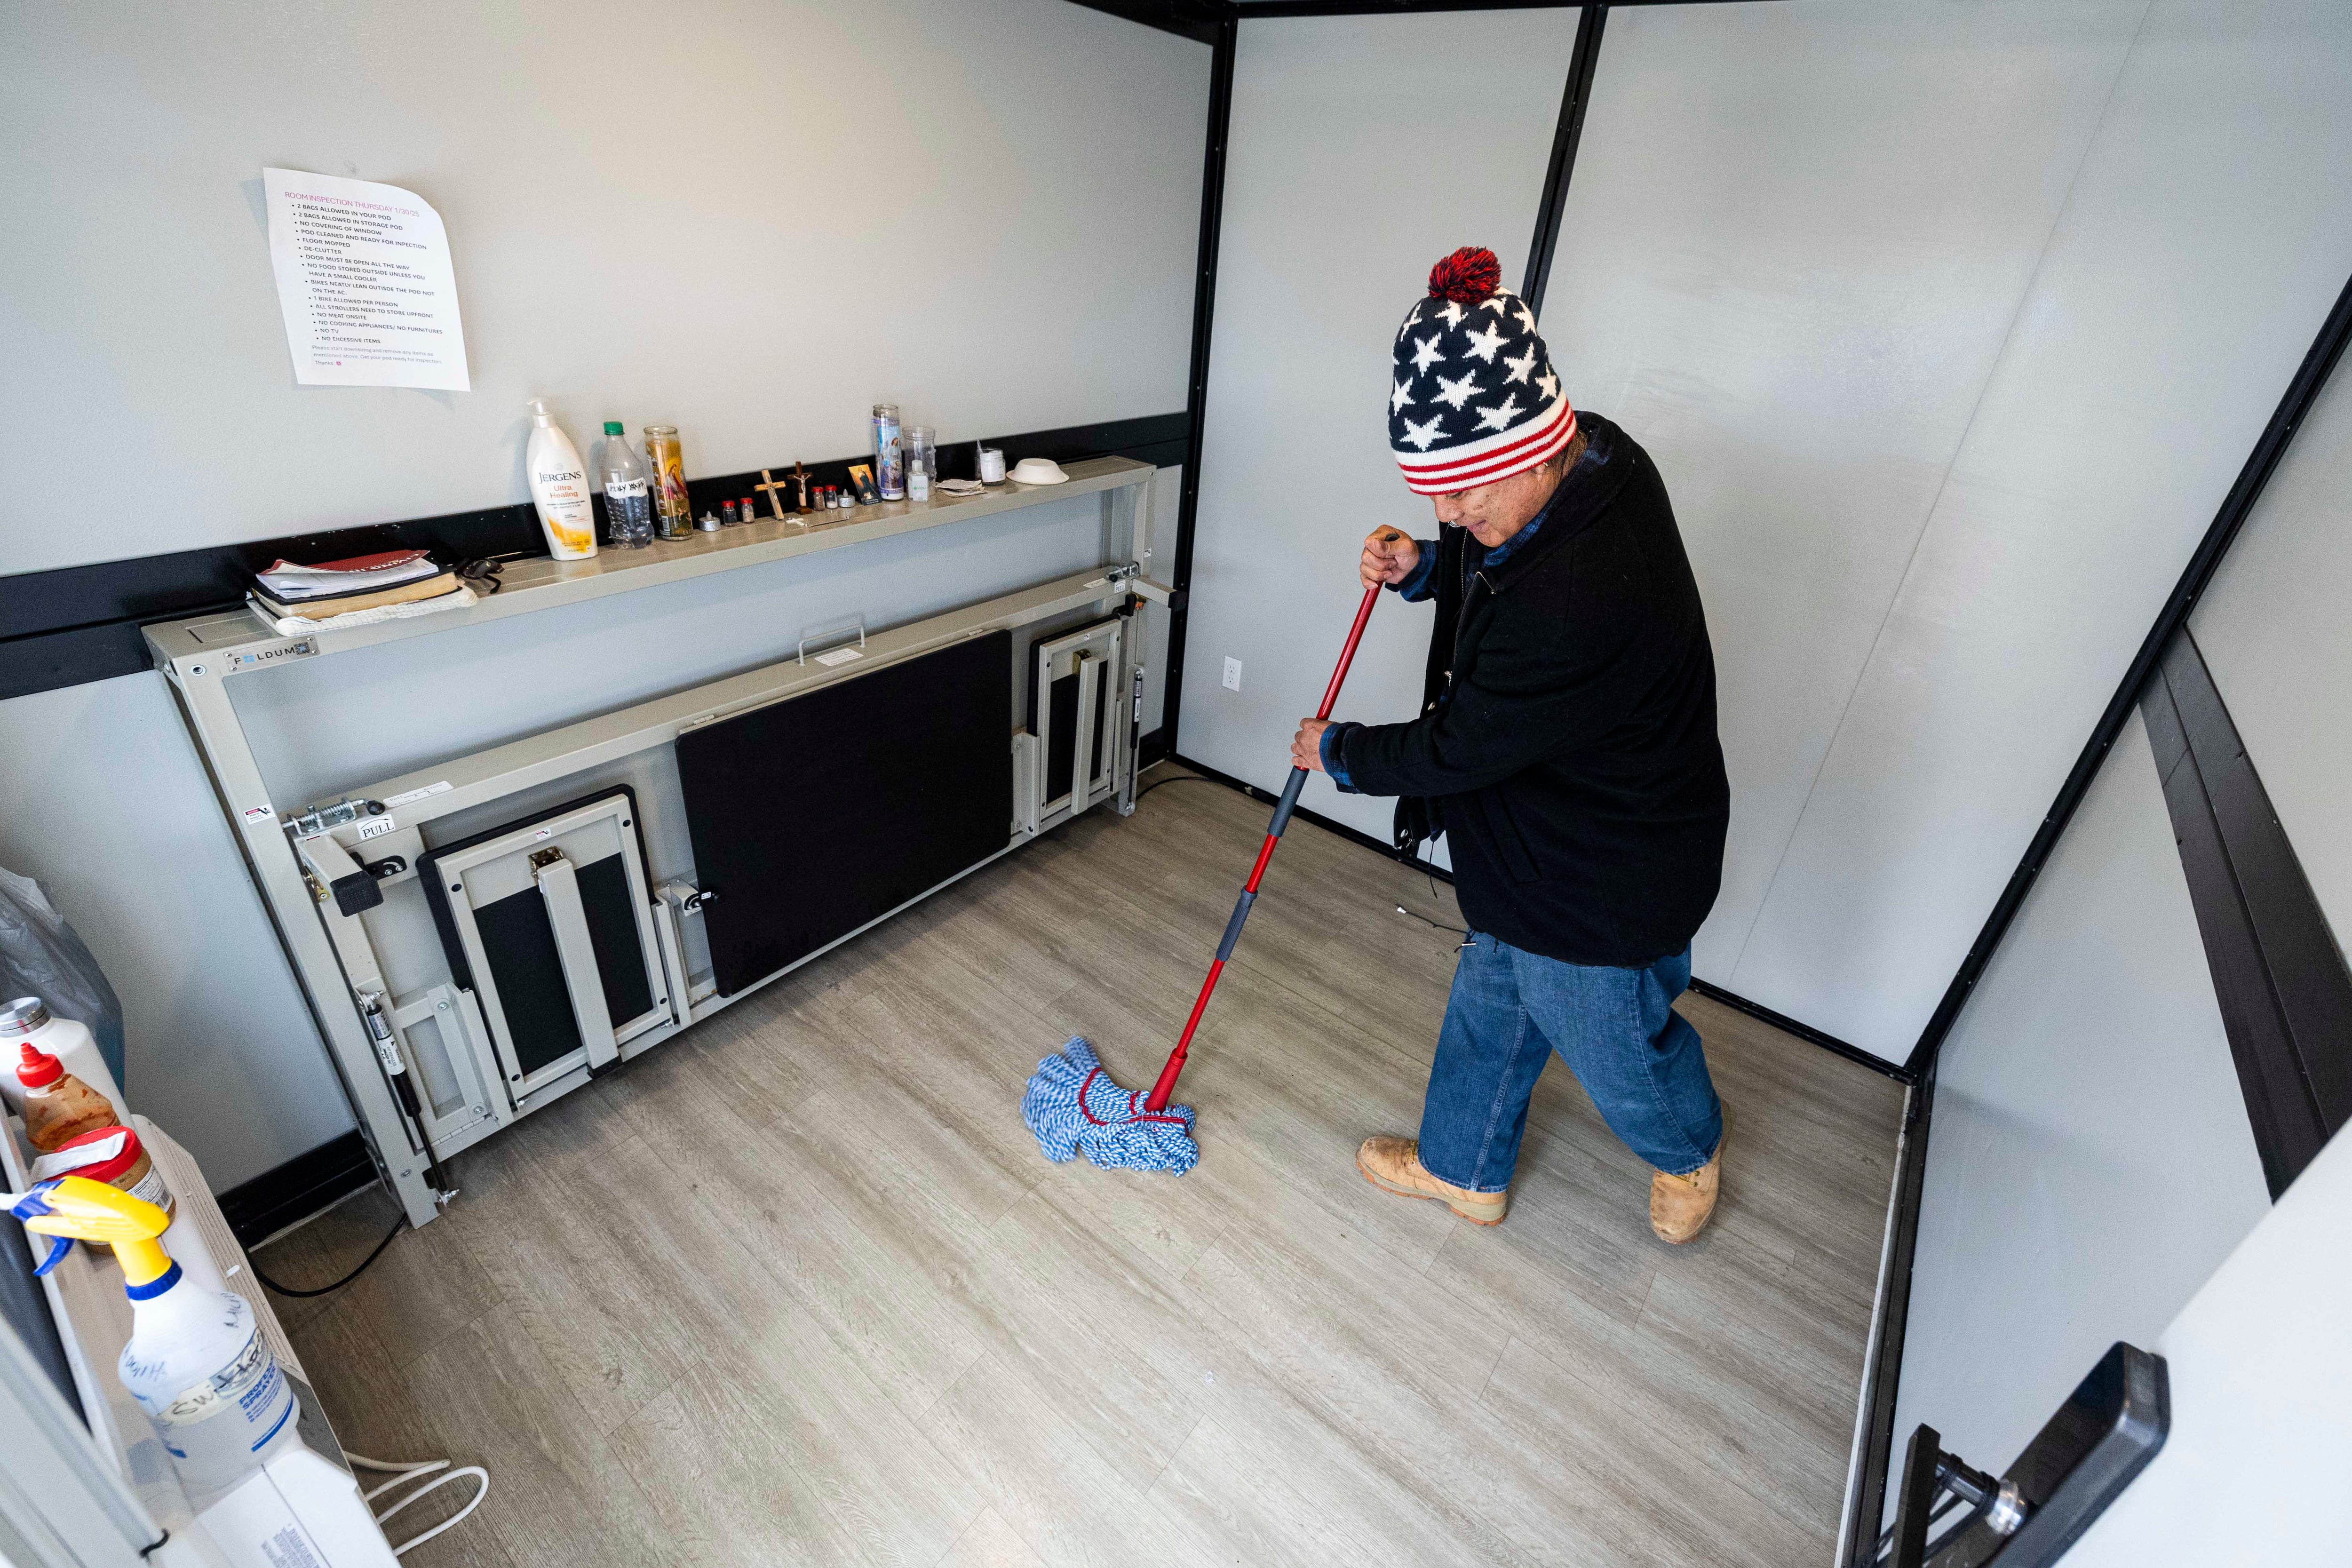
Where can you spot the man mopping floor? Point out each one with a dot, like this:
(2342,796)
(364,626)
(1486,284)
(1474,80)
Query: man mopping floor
(1566,746)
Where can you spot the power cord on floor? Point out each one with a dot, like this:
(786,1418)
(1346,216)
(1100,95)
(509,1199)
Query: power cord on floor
(1435,925)
(397,1225)
(403,1473)
(1171,778)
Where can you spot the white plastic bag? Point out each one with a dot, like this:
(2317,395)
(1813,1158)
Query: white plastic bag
(41,955)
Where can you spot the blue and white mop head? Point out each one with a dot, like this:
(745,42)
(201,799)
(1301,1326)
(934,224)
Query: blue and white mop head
(1072,1106)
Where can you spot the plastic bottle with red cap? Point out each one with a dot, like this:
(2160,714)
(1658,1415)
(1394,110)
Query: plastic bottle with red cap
(59,1107)
(27,1021)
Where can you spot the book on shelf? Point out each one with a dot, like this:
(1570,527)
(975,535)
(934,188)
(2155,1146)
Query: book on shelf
(317,607)
(288,582)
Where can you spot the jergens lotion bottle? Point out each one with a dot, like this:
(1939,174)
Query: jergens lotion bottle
(559,488)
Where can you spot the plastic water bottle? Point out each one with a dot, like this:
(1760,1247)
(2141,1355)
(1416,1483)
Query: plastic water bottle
(629,508)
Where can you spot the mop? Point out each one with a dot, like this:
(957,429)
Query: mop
(1071,1105)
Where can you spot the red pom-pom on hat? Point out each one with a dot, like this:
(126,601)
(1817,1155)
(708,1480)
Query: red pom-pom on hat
(1467,276)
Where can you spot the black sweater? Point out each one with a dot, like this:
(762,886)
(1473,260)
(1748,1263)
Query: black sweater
(1567,739)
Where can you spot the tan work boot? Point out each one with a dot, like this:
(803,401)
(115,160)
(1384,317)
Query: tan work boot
(1680,1207)
(1393,1165)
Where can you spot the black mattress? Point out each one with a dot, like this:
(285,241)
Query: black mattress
(813,815)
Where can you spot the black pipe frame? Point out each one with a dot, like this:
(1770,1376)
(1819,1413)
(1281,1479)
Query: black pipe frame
(2280,978)
(1865,1502)
(1573,100)
(1255,10)
(1196,386)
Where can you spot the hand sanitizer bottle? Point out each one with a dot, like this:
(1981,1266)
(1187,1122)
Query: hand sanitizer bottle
(559,488)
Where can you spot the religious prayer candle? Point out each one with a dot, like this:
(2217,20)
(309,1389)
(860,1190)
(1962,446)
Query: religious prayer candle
(673,515)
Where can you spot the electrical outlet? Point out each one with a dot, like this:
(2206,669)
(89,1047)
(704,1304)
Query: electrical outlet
(1233,675)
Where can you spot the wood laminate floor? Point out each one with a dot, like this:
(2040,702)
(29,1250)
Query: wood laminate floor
(797,1288)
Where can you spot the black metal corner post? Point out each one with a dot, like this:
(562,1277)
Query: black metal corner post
(1573,100)
(2301,393)
(1882,1373)
(1196,394)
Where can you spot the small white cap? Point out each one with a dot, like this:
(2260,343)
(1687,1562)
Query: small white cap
(539,414)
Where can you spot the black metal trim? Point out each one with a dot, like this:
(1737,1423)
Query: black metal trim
(79,624)
(1868,1506)
(1195,19)
(1258,10)
(260,1208)
(1574,99)
(2284,993)
(1196,394)
(2301,392)
(1804,1031)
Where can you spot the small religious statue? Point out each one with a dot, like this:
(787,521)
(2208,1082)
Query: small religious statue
(800,477)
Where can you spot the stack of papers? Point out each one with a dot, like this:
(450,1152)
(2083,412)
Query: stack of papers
(361,582)
(320,620)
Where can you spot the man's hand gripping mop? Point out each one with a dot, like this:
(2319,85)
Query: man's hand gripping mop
(1073,1106)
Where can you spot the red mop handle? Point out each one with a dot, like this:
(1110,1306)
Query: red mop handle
(1167,1084)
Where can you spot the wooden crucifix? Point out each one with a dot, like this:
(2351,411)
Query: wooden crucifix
(775,489)
(800,477)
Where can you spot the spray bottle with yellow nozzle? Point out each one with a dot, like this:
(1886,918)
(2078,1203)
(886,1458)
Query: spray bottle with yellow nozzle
(196,1361)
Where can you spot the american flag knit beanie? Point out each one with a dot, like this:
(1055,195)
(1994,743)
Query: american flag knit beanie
(1476,399)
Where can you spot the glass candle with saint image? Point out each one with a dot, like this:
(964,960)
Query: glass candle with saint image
(673,516)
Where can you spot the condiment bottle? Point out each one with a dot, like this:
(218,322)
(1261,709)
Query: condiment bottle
(110,1154)
(27,1018)
(59,1107)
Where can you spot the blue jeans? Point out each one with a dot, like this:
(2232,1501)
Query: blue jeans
(1640,1061)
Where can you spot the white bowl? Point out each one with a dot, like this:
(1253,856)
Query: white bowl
(1038,471)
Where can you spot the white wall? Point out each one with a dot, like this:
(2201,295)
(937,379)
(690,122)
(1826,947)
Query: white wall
(2089,1158)
(2261,1372)
(1363,148)
(761,220)
(750,221)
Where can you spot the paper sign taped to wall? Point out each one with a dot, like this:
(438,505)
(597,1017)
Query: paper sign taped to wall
(365,284)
